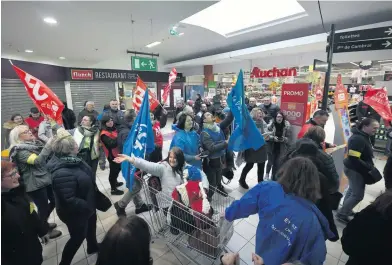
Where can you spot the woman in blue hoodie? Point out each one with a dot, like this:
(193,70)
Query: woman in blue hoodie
(290,227)
(187,139)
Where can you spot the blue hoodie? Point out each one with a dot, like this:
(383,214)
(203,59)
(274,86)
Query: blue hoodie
(189,143)
(290,228)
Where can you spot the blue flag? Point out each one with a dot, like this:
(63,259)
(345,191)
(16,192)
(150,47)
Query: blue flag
(140,140)
(245,134)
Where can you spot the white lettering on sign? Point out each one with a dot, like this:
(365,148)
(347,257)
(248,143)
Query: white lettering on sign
(293,93)
(141,134)
(35,88)
(290,113)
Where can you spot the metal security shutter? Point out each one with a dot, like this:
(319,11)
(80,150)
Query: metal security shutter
(99,92)
(14,98)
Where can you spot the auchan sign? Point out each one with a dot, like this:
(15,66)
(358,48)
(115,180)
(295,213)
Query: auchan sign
(274,72)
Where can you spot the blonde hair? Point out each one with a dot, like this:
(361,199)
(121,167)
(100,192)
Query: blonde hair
(14,135)
(254,111)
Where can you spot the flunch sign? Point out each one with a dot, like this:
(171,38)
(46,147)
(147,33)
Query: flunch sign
(274,72)
(82,74)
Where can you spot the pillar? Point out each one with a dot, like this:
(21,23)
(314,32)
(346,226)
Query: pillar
(208,74)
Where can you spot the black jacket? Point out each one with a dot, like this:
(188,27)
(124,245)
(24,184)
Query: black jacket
(123,131)
(388,172)
(74,189)
(85,112)
(20,229)
(197,105)
(359,144)
(365,111)
(116,115)
(69,118)
(271,110)
(367,238)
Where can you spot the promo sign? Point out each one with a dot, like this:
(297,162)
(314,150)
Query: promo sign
(340,96)
(294,100)
(294,112)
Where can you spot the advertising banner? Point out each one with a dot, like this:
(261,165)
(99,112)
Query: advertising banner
(294,102)
(294,112)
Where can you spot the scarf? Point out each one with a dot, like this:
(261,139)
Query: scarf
(71,159)
(82,134)
(260,126)
(279,129)
(211,126)
(34,146)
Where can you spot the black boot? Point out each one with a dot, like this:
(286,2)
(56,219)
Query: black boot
(116,192)
(119,184)
(120,211)
(243,183)
(143,208)
(93,249)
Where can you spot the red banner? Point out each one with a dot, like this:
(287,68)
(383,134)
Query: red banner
(139,95)
(377,98)
(46,101)
(172,78)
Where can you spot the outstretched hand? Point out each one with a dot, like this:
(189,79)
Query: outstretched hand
(121,158)
(257,260)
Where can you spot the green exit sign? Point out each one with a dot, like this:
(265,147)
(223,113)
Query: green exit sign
(144,64)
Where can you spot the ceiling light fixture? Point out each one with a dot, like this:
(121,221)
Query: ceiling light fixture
(28,51)
(385,61)
(62,58)
(354,64)
(155,43)
(246,19)
(50,20)
(180,34)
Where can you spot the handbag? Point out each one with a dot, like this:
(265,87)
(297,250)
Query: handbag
(374,176)
(334,200)
(102,203)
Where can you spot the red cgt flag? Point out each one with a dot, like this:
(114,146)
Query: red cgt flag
(172,78)
(44,98)
(139,95)
(377,98)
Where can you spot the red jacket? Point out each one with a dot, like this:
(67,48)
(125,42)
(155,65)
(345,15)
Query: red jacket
(158,138)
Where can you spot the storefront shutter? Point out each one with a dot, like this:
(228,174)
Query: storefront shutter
(14,98)
(99,92)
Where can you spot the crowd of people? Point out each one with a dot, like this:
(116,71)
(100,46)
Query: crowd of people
(54,166)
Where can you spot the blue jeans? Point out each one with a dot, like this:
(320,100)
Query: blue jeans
(355,192)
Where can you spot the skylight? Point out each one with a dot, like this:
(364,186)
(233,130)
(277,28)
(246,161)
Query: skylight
(235,17)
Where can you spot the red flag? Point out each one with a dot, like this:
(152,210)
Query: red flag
(172,78)
(44,98)
(377,98)
(139,95)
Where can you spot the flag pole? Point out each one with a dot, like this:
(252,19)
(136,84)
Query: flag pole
(11,62)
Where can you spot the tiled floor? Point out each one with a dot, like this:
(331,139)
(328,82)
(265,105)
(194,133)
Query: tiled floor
(243,240)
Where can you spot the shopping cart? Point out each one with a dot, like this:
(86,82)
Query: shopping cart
(198,238)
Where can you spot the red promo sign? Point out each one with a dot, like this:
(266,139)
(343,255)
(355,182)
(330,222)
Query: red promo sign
(377,98)
(295,93)
(294,112)
(82,74)
(274,72)
(44,98)
(340,96)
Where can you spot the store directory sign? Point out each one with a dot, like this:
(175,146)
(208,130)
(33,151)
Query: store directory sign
(363,40)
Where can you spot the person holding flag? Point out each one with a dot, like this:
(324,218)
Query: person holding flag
(139,143)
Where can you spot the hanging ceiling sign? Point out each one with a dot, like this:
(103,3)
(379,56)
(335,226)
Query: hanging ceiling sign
(363,40)
(274,72)
(144,63)
(366,34)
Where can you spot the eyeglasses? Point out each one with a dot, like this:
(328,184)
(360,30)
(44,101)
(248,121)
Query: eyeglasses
(25,132)
(13,174)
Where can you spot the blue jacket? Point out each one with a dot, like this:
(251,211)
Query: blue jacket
(99,118)
(290,228)
(189,143)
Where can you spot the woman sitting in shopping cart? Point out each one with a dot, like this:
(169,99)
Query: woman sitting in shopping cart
(290,227)
(169,171)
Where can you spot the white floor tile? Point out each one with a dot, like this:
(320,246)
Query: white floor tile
(331,260)
(334,249)
(246,230)
(92,259)
(49,250)
(236,242)
(51,261)
(344,257)
(171,258)
(246,253)
(158,249)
